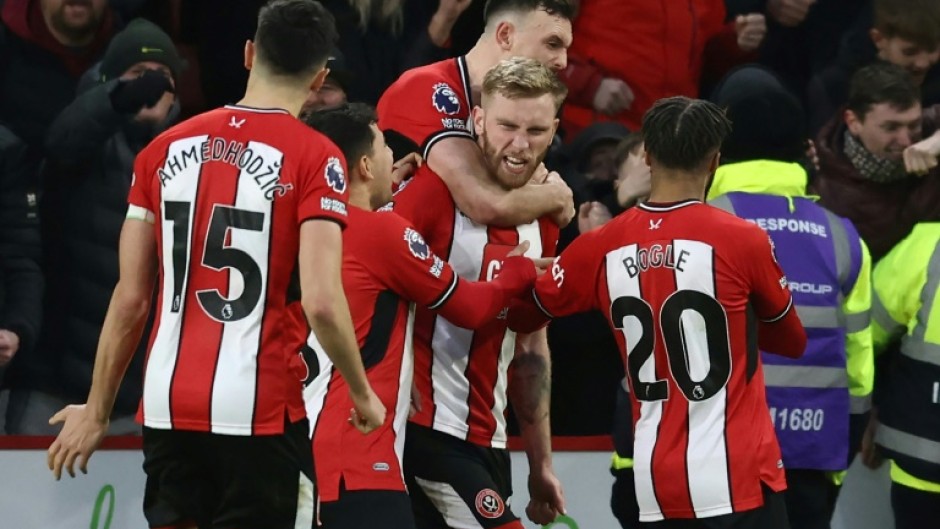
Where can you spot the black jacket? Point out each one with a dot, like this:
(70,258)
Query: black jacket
(91,150)
(20,276)
(38,76)
(377,57)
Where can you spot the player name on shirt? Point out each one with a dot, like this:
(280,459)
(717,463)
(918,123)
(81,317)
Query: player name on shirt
(265,172)
(656,256)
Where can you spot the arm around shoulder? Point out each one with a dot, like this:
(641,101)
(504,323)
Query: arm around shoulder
(460,164)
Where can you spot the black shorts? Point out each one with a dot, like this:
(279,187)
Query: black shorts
(912,507)
(386,509)
(454,483)
(772,515)
(811,498)
(229,481)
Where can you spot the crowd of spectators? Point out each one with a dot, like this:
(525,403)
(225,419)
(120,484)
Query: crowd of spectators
(85,84)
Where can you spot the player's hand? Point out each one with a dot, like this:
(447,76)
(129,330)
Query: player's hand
(406,167)
(540,174)
(751,30)
(542,264)
(546,498)
(921,158)
(368,412)
(9,345)
(789,13)
(613,96)
(519,250)
(80,436)
(871,454)
(592,215)
(565,212)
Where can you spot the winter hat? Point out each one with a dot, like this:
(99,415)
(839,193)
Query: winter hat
(768,122)
(140,41)
(340,72)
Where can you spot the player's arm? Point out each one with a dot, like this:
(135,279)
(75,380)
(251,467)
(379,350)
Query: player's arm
(530,386)
(459,162)
(475,303)
(779,330)
(567,287)
(85,425)
(421,276)
(327,312)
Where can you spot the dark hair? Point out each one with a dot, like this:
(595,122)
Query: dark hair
(294,37)
(626,147)
(683,133)
(562,8)
(881,83)
(349,127)
(917,21)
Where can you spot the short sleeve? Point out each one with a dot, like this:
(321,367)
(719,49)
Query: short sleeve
(425,110)
(418,274)
(569,285)
(323,187)
(770,293)
(141,205)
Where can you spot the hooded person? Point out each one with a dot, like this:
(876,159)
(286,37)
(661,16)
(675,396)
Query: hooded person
(762,179)
(125,101)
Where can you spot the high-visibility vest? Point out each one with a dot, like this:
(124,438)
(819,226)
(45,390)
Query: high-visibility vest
(828,271)
(906,303)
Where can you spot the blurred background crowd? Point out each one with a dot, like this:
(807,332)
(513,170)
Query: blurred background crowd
(85,84)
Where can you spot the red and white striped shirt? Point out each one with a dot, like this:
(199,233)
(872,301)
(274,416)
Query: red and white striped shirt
(461,374)
(676,282)
(227,191)
(387,269)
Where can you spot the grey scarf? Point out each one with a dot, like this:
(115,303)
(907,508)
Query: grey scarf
(871,166)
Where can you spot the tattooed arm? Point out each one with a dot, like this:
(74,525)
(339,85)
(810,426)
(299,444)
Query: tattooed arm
(530,394)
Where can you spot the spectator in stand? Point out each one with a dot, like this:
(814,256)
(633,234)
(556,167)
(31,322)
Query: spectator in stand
(621,60)
(588,166)
(874,167)
(91,148)
(803,36)
(633,174)
(905,33)
(333,92)
(382,38)
(20,276)
(378,38)
(45,46)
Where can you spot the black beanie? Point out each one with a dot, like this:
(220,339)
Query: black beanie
(767,121)
(140,41)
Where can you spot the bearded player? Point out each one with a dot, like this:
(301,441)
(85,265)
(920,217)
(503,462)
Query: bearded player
(455,458)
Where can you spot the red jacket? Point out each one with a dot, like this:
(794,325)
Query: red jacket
(656,46)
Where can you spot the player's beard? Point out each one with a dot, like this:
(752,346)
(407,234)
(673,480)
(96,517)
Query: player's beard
(76,31)
(504,177)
